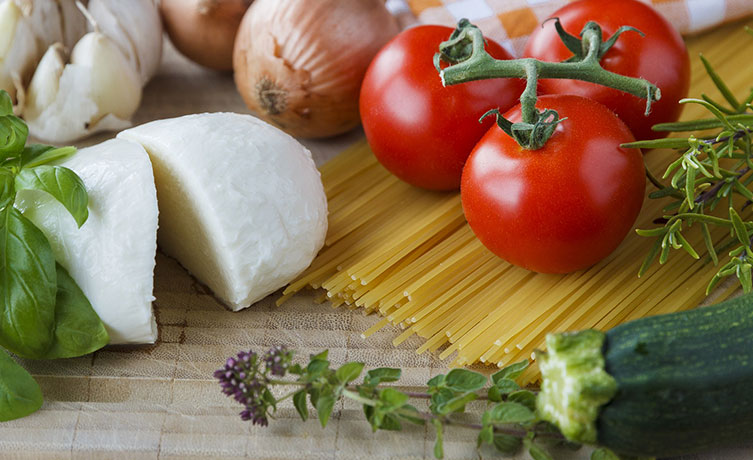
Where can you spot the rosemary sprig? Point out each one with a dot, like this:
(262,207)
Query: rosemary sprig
(711,171)
(508,424)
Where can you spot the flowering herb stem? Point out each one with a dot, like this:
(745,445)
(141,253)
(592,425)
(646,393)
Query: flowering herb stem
(508,423)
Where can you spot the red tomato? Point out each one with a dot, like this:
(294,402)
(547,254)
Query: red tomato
(565,206)
(660,57)
(419,130)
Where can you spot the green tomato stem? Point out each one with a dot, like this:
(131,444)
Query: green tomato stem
(470,63)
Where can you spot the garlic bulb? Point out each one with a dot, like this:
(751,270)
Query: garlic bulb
(98,90)
(27,29)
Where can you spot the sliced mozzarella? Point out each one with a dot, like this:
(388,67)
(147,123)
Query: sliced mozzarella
(242,205)
(112,255)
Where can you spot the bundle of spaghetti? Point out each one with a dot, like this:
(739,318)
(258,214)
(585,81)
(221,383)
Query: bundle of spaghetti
(408,255)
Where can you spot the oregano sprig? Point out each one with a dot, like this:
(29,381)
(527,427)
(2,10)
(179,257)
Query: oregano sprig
(508,423)
(709,185)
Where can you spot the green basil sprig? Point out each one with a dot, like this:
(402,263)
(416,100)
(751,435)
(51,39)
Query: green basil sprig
(43,312)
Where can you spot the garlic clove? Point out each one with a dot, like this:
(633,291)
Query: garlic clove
(242,205)
(97,91)
(135,26)
(112,256)
(21,52)
(27,29)
(10,14)
(115,86)
(44,85)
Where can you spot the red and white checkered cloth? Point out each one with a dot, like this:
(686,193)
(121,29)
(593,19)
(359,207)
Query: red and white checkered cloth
(509,22)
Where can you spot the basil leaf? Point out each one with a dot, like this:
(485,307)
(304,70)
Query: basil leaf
(36,154)
(7,188)
(28,284)
(32,151)
(60,182)
(20,395)
(6,103)
(13,134)
(78,329)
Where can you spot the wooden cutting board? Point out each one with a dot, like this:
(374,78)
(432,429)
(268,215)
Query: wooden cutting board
(161,401)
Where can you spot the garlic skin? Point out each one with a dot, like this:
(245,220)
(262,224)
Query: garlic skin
(27,29)
(98,90)
(135,26)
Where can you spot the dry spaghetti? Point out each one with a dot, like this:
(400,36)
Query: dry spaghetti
(408,255)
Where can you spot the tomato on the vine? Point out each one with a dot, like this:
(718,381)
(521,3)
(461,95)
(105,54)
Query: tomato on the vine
(659,57)
(419,130)
(562,207)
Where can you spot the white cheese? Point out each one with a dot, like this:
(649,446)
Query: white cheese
(242,205)
(112,255)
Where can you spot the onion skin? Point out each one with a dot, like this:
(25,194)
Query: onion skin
(299,64)
(204,30)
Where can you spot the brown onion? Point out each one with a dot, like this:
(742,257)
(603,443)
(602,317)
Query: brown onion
(204,30)
(299,64)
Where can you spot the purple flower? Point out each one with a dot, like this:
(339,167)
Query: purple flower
(278,359)
(242,380)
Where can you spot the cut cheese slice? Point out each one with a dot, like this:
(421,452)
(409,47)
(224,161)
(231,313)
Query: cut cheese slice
(242,205)
(112,256)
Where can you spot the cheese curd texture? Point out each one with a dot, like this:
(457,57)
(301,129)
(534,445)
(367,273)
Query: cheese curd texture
(242,205)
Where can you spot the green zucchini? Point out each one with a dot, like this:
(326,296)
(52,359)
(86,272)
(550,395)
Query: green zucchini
(659,386)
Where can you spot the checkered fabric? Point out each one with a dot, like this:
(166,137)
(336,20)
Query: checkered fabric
(509,22)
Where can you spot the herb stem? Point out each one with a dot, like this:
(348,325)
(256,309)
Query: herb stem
(653,179)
